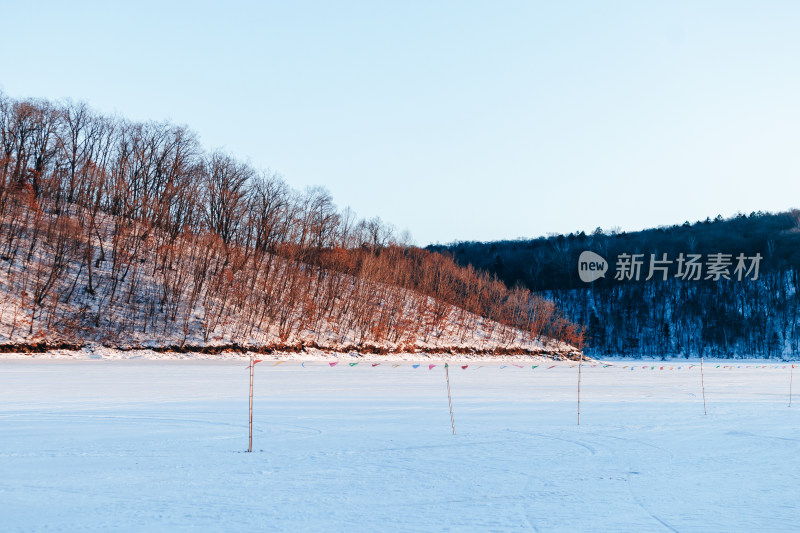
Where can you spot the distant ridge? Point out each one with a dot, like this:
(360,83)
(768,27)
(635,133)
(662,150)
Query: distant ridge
(673,317)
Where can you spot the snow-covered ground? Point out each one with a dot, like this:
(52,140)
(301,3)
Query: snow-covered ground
(159,445)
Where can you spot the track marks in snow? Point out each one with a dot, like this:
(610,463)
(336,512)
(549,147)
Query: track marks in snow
(581,444)
(604,448)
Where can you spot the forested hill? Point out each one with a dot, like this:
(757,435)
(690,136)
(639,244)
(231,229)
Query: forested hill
(726,287)
(131,233)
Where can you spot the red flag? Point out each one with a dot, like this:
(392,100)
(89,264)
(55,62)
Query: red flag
(375,364)
(334,363)
(464,367)
(430,367)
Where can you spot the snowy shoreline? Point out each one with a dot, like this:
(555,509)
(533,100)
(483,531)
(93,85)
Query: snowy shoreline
(325,356)
(311,355)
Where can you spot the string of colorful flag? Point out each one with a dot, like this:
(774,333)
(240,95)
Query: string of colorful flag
(431,366)
(446,365)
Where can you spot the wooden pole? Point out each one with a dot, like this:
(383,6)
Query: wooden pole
(703,383)
(580,364)
(250,445)
(449,399)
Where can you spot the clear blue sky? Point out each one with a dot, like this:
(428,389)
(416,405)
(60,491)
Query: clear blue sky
(454,120)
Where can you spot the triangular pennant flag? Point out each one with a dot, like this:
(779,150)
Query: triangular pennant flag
(534,367)
(352,364)
(278,363)
(375,364)
(416,366)
(502,367)
(395,366)
(518,366)
(430,367)
(334,363)
(464,367)
(551,367)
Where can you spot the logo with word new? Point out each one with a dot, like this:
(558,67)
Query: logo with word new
(591,266)
(689,267)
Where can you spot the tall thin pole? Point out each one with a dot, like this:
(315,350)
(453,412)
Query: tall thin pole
(703,383)
(791,371)
(580,364)
(250,445)
(449,399)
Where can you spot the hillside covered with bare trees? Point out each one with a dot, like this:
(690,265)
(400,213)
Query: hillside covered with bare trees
(131,234)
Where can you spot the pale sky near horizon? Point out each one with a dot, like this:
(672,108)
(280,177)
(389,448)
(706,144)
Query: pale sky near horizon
(454,120)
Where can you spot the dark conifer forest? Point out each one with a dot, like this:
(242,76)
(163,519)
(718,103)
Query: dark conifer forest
(741,303)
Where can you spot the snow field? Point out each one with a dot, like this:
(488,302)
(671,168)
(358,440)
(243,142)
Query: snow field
(133,445)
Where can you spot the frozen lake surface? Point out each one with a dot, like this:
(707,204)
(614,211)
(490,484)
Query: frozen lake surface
(144,445)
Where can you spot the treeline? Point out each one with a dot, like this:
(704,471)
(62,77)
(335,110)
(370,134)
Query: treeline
(676,316)
(126,231)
